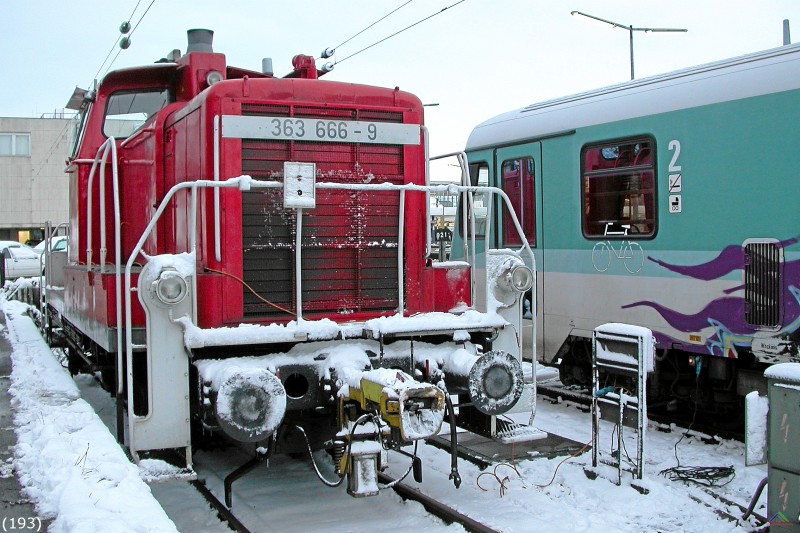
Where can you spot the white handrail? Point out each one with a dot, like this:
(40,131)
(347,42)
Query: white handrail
(298,266)
(401,237)
(109,146)
(217,231)
(117,263)
(193,248)
(246,183)
(428,242)
(102,160)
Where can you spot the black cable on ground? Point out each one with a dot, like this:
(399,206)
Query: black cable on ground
(709,476)
(755,498)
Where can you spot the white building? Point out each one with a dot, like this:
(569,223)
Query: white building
(33,185)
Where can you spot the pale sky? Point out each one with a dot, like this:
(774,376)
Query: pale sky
(477,59)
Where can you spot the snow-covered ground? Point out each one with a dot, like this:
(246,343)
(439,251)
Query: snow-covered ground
(66,459)
(74,472)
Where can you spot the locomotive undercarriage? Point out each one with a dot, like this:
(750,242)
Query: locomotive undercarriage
(326,407)
(389,393)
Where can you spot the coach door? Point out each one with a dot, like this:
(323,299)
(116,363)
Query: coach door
(517,171)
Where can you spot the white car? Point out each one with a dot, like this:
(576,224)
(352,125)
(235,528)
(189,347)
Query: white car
(57,243)
(13,244)
(20,261)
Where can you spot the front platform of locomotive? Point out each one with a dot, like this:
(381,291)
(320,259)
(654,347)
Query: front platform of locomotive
(285,273)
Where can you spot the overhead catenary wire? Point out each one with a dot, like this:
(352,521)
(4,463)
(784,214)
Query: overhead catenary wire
(371,25)
(116,40)
(53,147)
(130,34)
(400,31)
(114,45)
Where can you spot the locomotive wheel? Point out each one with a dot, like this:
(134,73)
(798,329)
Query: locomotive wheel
(75,363)
(108,378)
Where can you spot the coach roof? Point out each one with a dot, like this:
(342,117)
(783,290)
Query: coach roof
(765,72)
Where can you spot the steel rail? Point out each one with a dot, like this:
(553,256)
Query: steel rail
(437,508)
(224,513)
(432,506)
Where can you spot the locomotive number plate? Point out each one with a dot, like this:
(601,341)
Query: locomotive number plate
(319,130)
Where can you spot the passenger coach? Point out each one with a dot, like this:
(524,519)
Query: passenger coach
(668,202)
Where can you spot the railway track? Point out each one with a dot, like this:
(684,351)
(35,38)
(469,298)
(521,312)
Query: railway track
(283,497)
(224,514)
(437,508)
(279,494)
(241,524)
(287,502)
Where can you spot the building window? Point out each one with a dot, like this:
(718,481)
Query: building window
(15,144)
(618,188)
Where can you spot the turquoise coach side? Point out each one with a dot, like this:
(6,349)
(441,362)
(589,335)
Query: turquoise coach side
(739,175)
(734,149)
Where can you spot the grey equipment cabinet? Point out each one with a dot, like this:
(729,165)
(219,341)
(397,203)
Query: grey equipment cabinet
(783,439)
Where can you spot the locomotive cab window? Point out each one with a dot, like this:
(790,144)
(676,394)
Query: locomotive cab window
(517,182)
(127,111)
(618,189)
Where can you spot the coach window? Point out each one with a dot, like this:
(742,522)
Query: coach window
(127,111)
(479,176)
(517,182)
(618,189)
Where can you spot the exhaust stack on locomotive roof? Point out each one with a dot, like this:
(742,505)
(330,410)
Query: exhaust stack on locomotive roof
(200,40)
(266,66)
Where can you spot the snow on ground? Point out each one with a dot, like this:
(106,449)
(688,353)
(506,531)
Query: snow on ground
(66,459)
(74,471)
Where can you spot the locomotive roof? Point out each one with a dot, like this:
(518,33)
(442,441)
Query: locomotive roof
(156,70)
(765,72)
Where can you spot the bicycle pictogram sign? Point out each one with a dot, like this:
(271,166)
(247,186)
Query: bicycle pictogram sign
(629,252)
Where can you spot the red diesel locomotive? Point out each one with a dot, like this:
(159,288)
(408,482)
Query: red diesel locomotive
(249,256)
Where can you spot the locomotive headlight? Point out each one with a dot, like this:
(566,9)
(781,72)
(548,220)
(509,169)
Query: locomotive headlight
(170,287)
(213,77)
(518,278)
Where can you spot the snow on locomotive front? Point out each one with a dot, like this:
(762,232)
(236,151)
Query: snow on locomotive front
(263,268)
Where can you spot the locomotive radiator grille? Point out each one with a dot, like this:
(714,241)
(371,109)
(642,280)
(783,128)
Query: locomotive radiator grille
(349,240)
(762,282)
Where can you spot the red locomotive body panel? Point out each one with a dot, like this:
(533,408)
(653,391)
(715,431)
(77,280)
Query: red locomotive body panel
(350,240)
